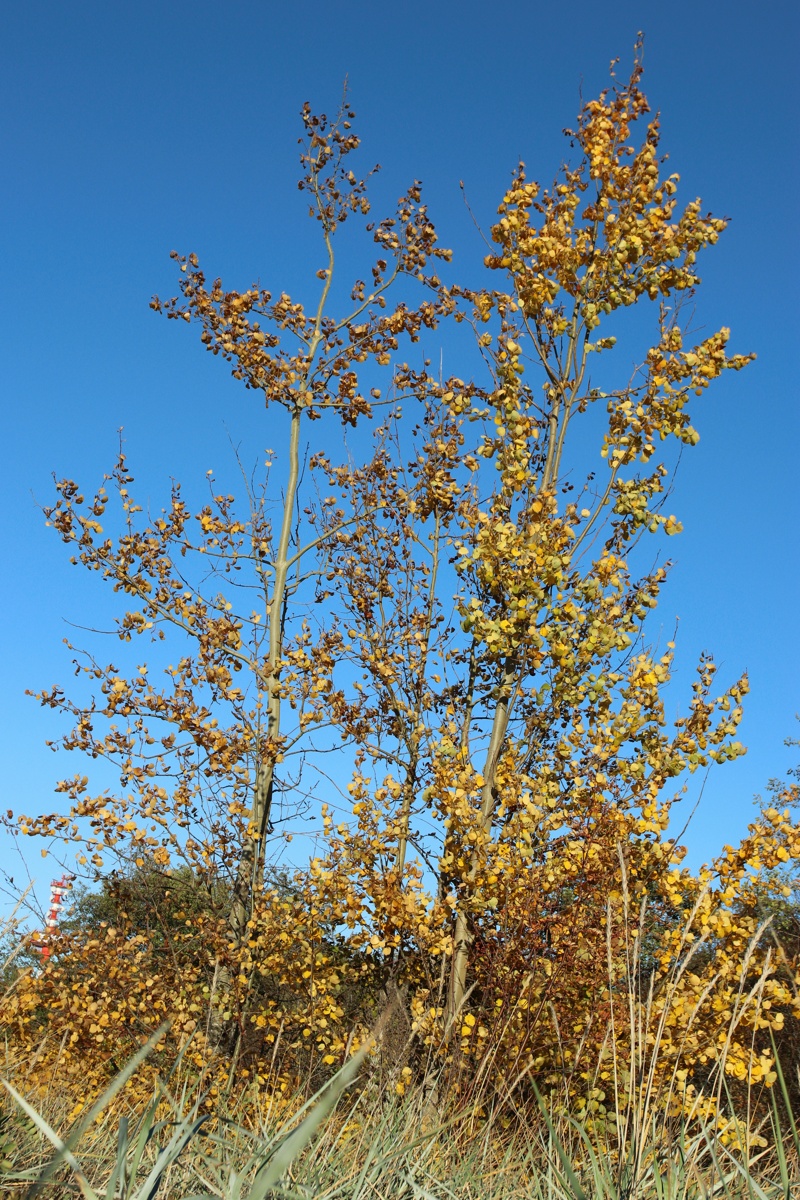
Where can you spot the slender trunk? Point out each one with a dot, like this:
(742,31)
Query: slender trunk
(410,785)
(250,868)
(561,405)
(462,936)
(409,791)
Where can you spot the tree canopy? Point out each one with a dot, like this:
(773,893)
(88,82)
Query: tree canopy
(431,634)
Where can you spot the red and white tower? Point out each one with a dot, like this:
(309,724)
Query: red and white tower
(58,890)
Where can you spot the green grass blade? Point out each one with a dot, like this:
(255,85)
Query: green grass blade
(117,1184)
(282,1157)
(780,1149)
(169,1155)
(571,1180)
(65,1148)
(63,1153)
(786,1098)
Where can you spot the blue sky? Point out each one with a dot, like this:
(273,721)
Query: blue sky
(133,129)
